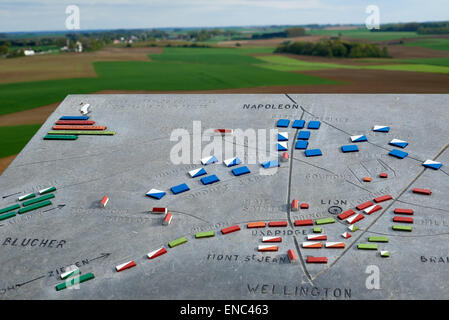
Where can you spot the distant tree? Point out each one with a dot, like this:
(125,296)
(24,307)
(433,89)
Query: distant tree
(4,49)
(295,32)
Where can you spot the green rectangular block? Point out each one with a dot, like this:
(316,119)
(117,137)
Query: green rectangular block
(7,215)
(402,228)
(28,196)
(325,221)
(33,201)
(60,137)
(48,190)
(75,280)
(177,242)
(385,254)
(83,132)
(377,239)
(13,207)
(317,230)
(74,272)
(367,246)
(35,206)
(205,234)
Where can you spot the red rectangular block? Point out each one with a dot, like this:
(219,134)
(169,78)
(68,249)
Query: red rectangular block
(316,260)
(383,198)
(383,175)
(346,214)
(230,229)
(422,191)
(304,205)
(277,223)
(403,211)
(75,122)
(308,222)
(403,219)
(364,205)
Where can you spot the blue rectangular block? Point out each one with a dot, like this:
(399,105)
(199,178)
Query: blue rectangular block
(301,144)
(180,188)
(314,125)
(349,148)
(398,153)
(313,153)
(298,124)
(74,118)
(210,179)
(240,171)
(303,135)
(283,123)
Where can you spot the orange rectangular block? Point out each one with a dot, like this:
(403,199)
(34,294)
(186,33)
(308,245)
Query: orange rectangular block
(230,229)
(260,224)
(75,122)
(367,179)
(71,127)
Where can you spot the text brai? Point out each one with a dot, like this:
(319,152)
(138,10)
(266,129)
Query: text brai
(262,106)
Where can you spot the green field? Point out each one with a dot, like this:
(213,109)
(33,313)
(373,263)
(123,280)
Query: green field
(364,34)
(436,44)
(13,139)
(174,69)
(281,63)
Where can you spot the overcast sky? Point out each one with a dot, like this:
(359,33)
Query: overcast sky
(37,15)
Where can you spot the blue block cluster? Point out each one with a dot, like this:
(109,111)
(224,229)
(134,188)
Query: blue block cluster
(241,170)
(313,153)
(180,188)
(74,118)
(398,153)
(350,148)
(301,144)
(283,123)
(210,179)
(314,125)
(303,135)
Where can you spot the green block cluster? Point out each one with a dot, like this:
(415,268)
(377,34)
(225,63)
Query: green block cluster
(75,280)
(33,201)
(60,137)
(205,234)
(324,221)
(367,246)
(7,215)
(377,239)
(35,206)
(51,189)
(402,228)
(177,242)
(13,207)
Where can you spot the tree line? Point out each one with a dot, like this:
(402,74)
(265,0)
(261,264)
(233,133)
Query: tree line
(333,48)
